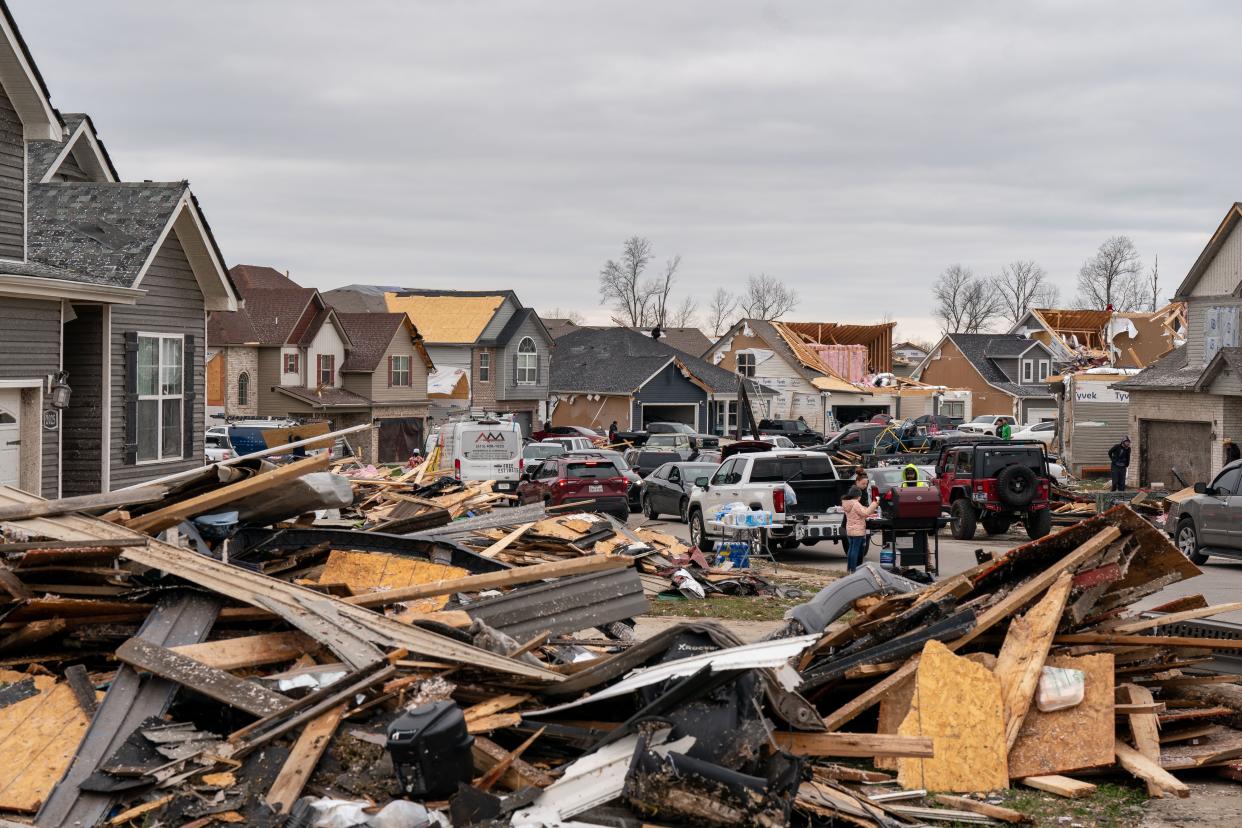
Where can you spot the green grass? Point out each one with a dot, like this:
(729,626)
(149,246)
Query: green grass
(1111,806)
(730,607)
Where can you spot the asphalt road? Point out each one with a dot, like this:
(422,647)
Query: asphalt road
(1220,583)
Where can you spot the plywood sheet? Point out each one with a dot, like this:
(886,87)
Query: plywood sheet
(368,571)
(1073,739)
(38,739)
(896,704)
(957,702)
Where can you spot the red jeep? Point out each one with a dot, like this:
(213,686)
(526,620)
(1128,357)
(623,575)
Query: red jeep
(568,479)
(995,483)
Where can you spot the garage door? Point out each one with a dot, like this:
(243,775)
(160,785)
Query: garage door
(671,414)
(398,437)
(1169,446)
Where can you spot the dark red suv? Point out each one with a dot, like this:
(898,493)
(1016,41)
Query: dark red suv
(569,479)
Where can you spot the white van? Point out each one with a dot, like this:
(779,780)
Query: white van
(488,450)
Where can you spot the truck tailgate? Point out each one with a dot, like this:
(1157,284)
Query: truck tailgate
(817,496)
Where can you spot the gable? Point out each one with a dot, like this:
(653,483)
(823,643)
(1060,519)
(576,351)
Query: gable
(1224,274)
(81,157)
(23,84)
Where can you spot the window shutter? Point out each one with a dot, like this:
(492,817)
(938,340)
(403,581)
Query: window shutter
(514,380)
(538,368)
(390,372)
(189,385)
(129,448)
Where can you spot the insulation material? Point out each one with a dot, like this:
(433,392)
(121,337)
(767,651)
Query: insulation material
(371,571)
(849,361)
(957,702)
(1071,739)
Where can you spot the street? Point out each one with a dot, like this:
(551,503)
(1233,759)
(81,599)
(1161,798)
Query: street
(1220,583)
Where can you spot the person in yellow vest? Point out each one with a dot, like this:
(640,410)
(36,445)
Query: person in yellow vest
(910,476)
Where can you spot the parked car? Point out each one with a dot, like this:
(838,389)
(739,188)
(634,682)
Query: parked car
(570,479)
(797,431)
(571,431)
(618,460)
(666,491)
(217,446)
(669,428)
(1210,522)
(987,424)
(569,443)
(995,483)
(1043,432)
(779,441)
(532,452)
(644,462)
(762,478)
(639,438)
(857,438)
(934,423)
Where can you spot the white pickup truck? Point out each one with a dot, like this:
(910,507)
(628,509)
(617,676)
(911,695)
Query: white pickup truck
(759,480)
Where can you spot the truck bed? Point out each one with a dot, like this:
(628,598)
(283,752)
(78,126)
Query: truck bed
(817,496)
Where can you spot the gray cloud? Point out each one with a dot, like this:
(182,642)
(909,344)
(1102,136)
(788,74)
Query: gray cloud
(853,150)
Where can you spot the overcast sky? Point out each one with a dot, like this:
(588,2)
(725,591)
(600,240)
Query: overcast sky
(852,150)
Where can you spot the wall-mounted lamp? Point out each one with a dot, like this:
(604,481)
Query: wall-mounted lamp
(60,390)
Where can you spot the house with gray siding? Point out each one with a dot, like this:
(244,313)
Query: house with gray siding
(1186,405)
(104,290)
(491,354)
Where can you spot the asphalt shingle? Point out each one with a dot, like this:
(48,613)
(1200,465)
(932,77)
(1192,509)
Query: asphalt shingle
(977,348)
(619,360)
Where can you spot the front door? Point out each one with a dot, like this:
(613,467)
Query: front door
(10,437)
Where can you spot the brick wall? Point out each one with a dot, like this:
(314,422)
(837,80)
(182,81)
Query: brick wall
(483,394)
(239,360)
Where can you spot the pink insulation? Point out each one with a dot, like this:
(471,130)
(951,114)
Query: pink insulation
(849,361)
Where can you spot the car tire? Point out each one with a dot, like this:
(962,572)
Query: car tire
(1038,524)
(683,509)
(1016,485)
(995,524)
(962,519)
(790,543)
(648,511)
(1188,542)
(698,532)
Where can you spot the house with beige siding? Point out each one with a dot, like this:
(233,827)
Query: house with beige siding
(286,353)
(1002,373)
(1185,406)
(104,290)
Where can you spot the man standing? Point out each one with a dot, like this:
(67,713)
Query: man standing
(1005,431)
(1119,458)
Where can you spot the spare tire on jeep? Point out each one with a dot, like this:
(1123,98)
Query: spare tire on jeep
(1015,486)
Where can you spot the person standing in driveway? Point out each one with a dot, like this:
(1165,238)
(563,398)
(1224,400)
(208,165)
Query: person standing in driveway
(1119,461)
(856,516)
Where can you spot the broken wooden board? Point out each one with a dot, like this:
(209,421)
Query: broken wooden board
(250,650)
(1060,785)
(1217,748)
(958,703)
(366,572)
(39,737)
(1159,781)
(1021,658)
(853,744)
(199,678)
(1144,728)
(1071,739)
(305,755)
(962,803)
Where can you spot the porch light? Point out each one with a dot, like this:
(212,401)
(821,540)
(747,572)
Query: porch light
(60,390)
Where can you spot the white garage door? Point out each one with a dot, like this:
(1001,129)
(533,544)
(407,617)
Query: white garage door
(1040,415)
(10,436)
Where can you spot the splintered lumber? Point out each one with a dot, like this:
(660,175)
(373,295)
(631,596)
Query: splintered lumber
(1028,591)
(365,572)
(494,580)
(488,755)
(1144,728)
(162,519)
(1147,640)
(199,678)
(1074,738)
(1186,602)
(13,585)
(84,503)
(1021,658)
(1060,785)
(250,650)
(1173,618)
(850,711)
(854,744)
(958,703)
(502,544)
(305,755)
(139,810)
(975,806)
(1159,781)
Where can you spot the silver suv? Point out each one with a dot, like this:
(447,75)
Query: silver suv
(1210,522)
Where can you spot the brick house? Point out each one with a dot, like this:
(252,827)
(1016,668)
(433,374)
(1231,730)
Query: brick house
(1186,405)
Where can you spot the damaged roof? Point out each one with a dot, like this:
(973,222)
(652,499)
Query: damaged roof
(621,360)
(1171,373)
(324,397)
(372,334)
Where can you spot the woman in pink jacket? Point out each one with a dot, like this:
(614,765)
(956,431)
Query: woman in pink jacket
(856,516)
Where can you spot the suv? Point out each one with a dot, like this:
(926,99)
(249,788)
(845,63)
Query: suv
(995,483)
(797,431)
(988,424)
(568,479)
(1210,523)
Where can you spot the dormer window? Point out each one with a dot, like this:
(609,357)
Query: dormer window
(1028,370)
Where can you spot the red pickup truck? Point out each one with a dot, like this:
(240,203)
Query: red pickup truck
(569,479)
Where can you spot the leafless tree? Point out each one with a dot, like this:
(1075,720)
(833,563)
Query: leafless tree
(573,317)
(1153,285)
(621,283)
(1112,277)
(964,302)
(685,315)
(660,290)
(1021,285)
(721,311)
(767,298)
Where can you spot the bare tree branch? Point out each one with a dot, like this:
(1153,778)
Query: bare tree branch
(685,315)
(621,282)
(1111,278)
(767,298)
(659,290)
(1153,286)
(721,311)
(1022,285)
(571,316)
(964,303)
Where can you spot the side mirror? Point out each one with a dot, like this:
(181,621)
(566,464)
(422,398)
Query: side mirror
(1201,488)
(702,482)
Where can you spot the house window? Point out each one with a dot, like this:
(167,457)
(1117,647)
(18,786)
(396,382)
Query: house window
(953,409)
(1028,370)
(325,368)
(746,364)
(291,363)
(1043,370)
(399,372)
(485,367)
(243,388)
(527,363)
(161,424)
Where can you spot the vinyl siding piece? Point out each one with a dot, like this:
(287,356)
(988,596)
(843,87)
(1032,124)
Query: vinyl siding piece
(1225,272)
(82,423)
(30,345)
(503,314)
(173,304)
(12,182)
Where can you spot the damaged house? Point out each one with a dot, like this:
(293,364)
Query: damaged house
(105,286)
(1004,373)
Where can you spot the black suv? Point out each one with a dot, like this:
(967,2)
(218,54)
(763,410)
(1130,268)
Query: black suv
(798,432)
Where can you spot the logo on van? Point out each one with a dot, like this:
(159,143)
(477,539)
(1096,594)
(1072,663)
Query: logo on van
(489,437)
